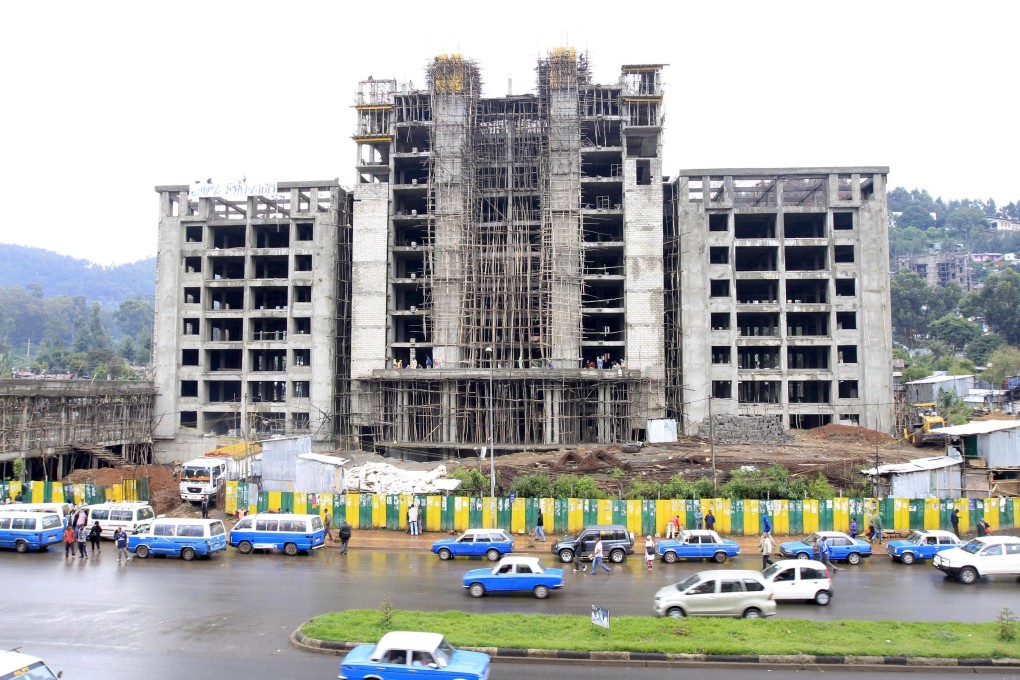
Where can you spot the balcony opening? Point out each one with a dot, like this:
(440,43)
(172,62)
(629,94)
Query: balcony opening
(806,258)
(718,222)
(807,324)
(804,225)
(720,321)
(754,226)
(758,325)
(848,389)
(189,357)
(844,254)
(758,359)
(811,358)
(846,287)
(754,292)
(809,391)
(719,288)
(847,354)
(842,221)
(719,255)
(755,259)
(192,265)
(807,291)
(758,391)
(189,388)
(721,354)
(722,389)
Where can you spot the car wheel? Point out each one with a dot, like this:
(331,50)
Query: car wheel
(21,546)
(290,549)
(188,554)
(244,547)
(907,558)
(822,598)
(566,555)
(476,590)
(719,557)
(967,575)
(853,558)
(445,554)
(670,557)
(142,551)
(541,592)
(675,613)
(752,613)
(616,556)
(492,554)
(803,556)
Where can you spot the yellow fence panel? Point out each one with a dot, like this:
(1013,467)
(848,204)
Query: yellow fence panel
(634,518)
(575,515)
(722,514)
(810,520)
(518,516)
(992,513)
(605,511)
(752,517)
(461,513)
(840,514)
(932,513)
(781,517)
(901,514)
(378,511)
(354,510)
(434,521)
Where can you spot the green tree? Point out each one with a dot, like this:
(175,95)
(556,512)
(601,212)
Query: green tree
(573,486)
(997,301)
(980,347)
(954,330)
(532,486)
(1002,363)
(915,216)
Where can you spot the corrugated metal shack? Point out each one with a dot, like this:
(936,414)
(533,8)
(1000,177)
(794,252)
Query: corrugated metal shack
(319,473)
(991,449)
(926,390)
(279,462)
(933,477)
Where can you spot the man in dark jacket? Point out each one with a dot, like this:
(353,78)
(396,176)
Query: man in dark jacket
(345,536)
(955,519)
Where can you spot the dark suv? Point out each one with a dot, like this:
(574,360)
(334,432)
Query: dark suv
(617,543)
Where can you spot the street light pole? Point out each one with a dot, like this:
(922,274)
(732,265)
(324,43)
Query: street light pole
(492,452)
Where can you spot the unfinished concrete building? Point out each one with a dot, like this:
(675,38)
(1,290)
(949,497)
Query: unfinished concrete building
(938,269)
(778,296)
(252,330)
(508,269)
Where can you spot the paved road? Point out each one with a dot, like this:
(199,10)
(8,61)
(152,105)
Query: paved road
(162,618)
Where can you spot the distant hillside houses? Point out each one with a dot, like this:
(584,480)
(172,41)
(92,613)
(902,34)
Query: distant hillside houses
(1000,224)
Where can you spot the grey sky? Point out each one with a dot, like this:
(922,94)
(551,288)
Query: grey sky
(105,100)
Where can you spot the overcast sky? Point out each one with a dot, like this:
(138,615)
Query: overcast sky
(105,100)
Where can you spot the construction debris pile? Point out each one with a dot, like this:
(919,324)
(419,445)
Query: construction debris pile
(164,489)
(386,479)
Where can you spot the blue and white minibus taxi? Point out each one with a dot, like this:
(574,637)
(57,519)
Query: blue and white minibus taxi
(17,666)
(274,531)
(26,530)
(180,536)
(62,509)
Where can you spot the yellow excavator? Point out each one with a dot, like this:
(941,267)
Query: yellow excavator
(923,428)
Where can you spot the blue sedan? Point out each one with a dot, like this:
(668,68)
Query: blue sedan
(697,544)
(492,543)
(403,654)
(922,545)
(843,547)
(514,574)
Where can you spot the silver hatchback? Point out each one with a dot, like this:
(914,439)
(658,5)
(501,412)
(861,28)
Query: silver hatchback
(718,592)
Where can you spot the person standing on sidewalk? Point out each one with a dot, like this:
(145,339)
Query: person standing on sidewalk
(649,551)
(877,523)
(205,507)
(412,519)
(344,532)
(768,547)
(596,558)
(95,534)
(327,524)
(955,520)
(120,537)
(83,537)
(68,541)
(710,521)
(698,518)
(540,526)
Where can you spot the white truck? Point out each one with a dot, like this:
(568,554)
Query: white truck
(203,477)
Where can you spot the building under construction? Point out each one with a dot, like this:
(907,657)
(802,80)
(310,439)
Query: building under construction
(506,272)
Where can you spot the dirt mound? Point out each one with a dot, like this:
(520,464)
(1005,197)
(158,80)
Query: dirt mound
(164,490)
(994,415)
(850,434)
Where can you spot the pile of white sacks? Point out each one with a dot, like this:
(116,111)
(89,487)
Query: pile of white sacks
(386,479)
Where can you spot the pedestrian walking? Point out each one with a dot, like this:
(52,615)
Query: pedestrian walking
(649,551)
(205,507)
(982,527)
(698,519)
(540,526)
(853,528)
(955,520)
(83,537)
(69,541)
(95,534)
(673,527)
(327,524)
(766,526)
(120,537)
(596,558)
(577,557)
(877,523)
(825,554)
(768,546)
(710,521)
(344,532)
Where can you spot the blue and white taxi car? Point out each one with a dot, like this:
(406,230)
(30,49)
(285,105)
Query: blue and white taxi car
(492,543)
(516,573)
(843,547)
(403,654)
(697,544)
(922,545)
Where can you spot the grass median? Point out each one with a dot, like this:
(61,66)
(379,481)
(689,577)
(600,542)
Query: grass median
(684,636)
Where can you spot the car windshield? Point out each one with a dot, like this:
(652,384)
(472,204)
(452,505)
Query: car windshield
(917,538)
(813,538)
(771,571)
(444,653)
(974,547)
(688,582)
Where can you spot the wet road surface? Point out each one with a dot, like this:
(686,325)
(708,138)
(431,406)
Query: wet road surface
(164,618)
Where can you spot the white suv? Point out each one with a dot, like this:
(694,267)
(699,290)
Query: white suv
(983,556)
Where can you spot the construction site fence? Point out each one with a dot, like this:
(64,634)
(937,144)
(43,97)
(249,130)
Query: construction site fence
(643,517)
(75,494)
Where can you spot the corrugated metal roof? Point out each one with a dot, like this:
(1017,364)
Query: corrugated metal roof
(939,379)
(979,427)
(916,465)
(320,458)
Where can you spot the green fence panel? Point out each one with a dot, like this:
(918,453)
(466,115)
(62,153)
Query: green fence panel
(561,515)
(825,515)
(856,507)
(475,512)
(648,517)
(887,508)
(620,512)
(242,496)
(977,512)
(737,516)
(393,512)
(796,514)
(447,520)
(590,510)
(1006,514)
(262,505)
(339,508)
(945,514)
(690,506)
(504,511)
(530,515)
(92,494)
(5,490)
(143,489)
(48,492)
(916,514)
(365,513)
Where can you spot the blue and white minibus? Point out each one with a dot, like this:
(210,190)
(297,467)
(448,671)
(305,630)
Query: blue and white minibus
(26,530)
(275,531)
(188,538)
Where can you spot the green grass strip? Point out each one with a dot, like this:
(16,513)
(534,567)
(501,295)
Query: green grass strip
(689,636)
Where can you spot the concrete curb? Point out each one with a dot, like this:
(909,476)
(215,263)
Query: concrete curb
(303,642)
